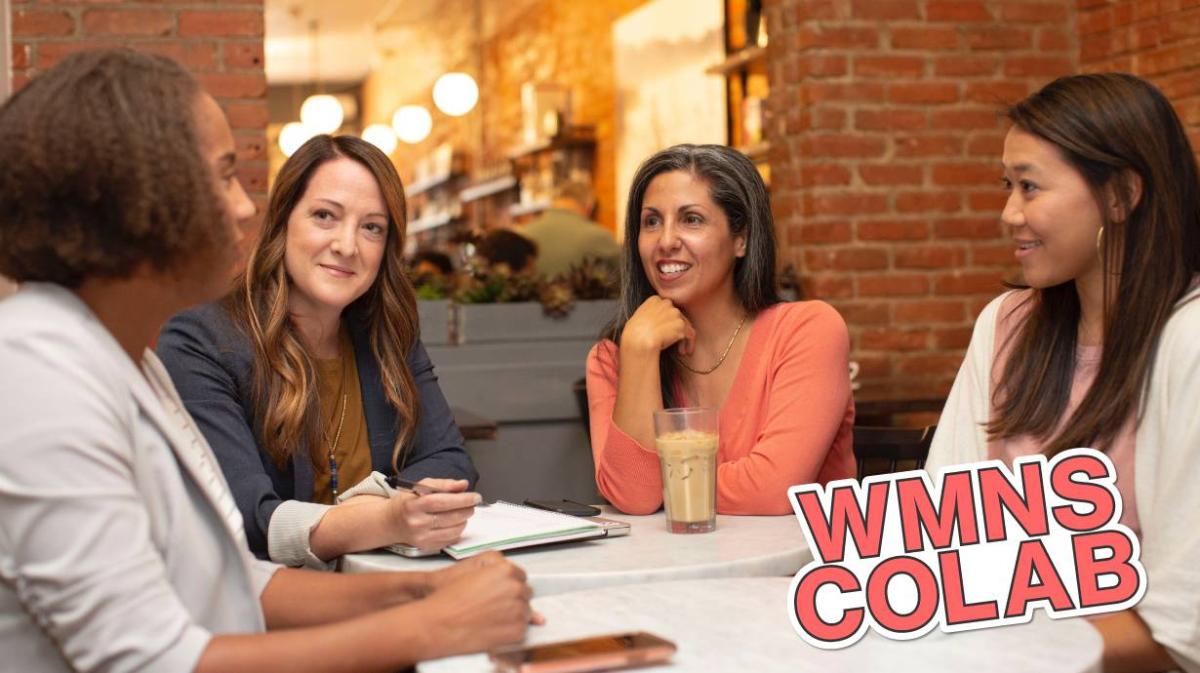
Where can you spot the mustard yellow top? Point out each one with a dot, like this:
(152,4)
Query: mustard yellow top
(337,385)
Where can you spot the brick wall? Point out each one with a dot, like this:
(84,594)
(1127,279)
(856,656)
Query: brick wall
(221,42)
(1158,40)
(568,43)
(885,149)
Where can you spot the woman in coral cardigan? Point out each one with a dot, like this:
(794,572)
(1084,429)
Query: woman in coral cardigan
(700,324)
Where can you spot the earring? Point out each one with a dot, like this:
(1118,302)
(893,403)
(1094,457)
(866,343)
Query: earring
(1100,242)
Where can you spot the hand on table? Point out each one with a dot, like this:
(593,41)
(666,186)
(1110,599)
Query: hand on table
(479,603)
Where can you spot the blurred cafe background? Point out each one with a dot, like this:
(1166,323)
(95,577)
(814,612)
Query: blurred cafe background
(875,123)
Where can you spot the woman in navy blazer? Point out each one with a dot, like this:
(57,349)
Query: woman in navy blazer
(269,373)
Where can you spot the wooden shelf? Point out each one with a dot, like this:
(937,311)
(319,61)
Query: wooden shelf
(431,222)
(738,59)
(573,136)
(422,186)
(487,188)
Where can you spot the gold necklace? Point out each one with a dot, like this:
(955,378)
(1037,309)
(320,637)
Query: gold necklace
(721,359)
(337,437)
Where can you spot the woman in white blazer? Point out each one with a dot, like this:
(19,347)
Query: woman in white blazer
(120,546)
(1101,348)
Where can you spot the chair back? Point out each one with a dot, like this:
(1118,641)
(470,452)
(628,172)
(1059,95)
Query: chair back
(581,398)
(884,450)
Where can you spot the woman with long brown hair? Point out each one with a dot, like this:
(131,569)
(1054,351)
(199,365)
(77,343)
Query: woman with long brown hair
(310,380)
(121,548)
(1101,348)
(700,323)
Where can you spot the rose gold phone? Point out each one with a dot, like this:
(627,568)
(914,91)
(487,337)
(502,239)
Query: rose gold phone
(618,650)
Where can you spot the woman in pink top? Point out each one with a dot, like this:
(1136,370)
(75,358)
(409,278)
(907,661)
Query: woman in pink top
(700,323)
(1102,347)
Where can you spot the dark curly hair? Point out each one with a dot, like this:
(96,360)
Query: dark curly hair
(101,171)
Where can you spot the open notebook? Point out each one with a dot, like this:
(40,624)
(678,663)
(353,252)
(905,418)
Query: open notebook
(503,525)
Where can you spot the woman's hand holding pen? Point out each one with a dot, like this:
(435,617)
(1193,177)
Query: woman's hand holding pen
(435,519)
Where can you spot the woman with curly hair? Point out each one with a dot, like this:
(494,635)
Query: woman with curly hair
(121,547)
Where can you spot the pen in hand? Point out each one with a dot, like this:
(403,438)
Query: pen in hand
(417,488)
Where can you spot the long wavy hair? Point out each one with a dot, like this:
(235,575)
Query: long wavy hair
(736,187)
(284,381)
(1109,127)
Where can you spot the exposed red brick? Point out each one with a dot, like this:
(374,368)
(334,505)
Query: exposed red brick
(205,23)
(889,66)
(963,173)
(247,116)
(930,365)
(20,56)
(891,174)
(928,146)
(837,146)
(128,22)
(997,38)
(36,23)
(889,10)
(965,66)
(974,282)
(243,55)
(925,39)
(828,287)
(983,228)
(892,230)
(925,311)
(923,93)
(1037,66)
(814,175)
(890,119)
(969,119)
(234,85)
(865,313)
(893,339)
(892,284)
(928,201)
(1033,12)
(958,11)
(951,338)
(930,257)
(819,232)
(846,259)
(842,202)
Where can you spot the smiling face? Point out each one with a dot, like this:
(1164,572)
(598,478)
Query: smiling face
(1051,212)
(684,241)
(336,238)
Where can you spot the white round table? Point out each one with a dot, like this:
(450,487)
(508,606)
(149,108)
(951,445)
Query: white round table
(742,625)
(741,546)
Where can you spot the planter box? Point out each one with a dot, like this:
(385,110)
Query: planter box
(526,321)
(435,318)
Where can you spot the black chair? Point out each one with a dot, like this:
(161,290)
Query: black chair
(884,450)
(580,390)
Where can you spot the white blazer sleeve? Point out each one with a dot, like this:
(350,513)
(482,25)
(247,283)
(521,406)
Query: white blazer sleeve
(75,542)
(961,436)
(1167,487)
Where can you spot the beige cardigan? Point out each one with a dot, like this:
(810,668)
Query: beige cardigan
(120,546)
(1166,474)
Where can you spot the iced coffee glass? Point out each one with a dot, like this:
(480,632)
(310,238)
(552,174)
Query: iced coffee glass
(686,440)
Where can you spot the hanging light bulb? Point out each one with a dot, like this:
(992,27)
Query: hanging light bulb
(292,136)
(381,136)
(455,93)
(322,113)
(412,123)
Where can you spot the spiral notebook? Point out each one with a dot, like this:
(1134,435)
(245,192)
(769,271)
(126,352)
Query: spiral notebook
(503,525)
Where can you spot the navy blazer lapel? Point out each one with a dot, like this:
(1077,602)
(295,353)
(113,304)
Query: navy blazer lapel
(379,414)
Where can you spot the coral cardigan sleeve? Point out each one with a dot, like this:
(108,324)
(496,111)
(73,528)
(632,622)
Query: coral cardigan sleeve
(627,473)
(805,406)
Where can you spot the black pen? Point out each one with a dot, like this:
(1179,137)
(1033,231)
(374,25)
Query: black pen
(410,486)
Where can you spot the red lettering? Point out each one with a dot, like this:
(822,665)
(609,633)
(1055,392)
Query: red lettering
(829,535)
(1089,568)
(881,607)
(805,604)
(955,510)
(997,492)
(958,611)
(1100,498)
(1033,558)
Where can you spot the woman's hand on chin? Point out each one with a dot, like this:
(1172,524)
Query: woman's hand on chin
(656,326)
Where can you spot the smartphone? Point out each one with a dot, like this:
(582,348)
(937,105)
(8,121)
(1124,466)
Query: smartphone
(618,650)
(565,507)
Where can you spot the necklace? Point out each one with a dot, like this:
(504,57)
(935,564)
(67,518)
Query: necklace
(333,470)
(721,359)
